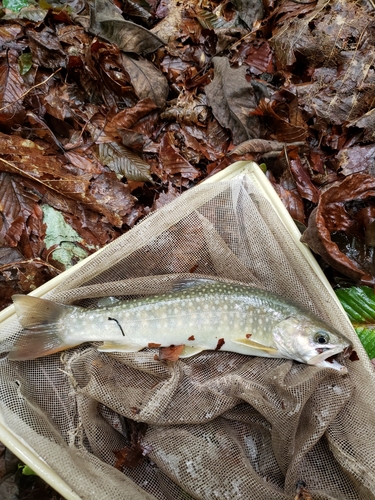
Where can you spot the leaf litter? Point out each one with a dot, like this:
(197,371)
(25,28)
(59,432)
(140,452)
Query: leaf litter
(109,110)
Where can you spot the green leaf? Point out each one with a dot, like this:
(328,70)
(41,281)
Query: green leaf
(26,471)
(15,5)
(359,304)
(25,62)
(367,337)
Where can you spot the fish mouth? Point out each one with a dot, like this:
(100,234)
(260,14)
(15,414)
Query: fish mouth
(325,359)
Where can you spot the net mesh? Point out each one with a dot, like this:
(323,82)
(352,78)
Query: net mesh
(220,425)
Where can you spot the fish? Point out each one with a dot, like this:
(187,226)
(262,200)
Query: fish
(196,315)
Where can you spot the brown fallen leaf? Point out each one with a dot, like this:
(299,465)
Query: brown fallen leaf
(283,118)
(357,159)
(171,353)
(133,454)
(107,195)
(12,88)
(189,109)
(261,146)
(337,227)
(301,492)
(288,193)
(23,277)
(107,21)
(305,186)
(232,99)
(172,161)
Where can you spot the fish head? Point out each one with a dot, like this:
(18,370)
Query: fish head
(310,341)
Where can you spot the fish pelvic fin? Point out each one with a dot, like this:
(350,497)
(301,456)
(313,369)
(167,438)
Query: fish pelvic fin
(40,320)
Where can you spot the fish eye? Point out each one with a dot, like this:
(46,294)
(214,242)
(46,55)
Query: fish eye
(321,338)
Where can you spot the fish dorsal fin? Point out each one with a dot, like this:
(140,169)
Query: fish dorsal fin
(255,345)
(188,283)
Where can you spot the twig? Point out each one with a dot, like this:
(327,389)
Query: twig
(304,3)
(32,88)
(29,261)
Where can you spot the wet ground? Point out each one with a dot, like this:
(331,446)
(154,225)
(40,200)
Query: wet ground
(14,485)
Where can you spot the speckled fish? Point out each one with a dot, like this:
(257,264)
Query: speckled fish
(198,314)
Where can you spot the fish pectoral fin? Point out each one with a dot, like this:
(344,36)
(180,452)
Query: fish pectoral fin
(106,302)
(255,345)
(191,351)
(119,347)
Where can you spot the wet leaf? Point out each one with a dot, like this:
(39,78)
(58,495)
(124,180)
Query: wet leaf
(288,192)
(211,20)
(258,146)
(46,49)
(303,180)
(337,227)
(125,162)
(23,277)
(12,89)
(25,61)
(166,197)
(249,10)
(107,194)
(17,205)
(31,12)
(281,116)
(359,304)
(232,99)
(107,22)
(189,109)
(26,470)
(173,162)
(15,5)
(147,80)
(357,159)
(132,454)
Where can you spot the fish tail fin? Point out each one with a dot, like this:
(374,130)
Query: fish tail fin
(40,320)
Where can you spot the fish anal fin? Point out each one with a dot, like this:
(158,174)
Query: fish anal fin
(109,346)
(255,345)
(189,351)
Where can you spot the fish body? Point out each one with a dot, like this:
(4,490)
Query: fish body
(200,314)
